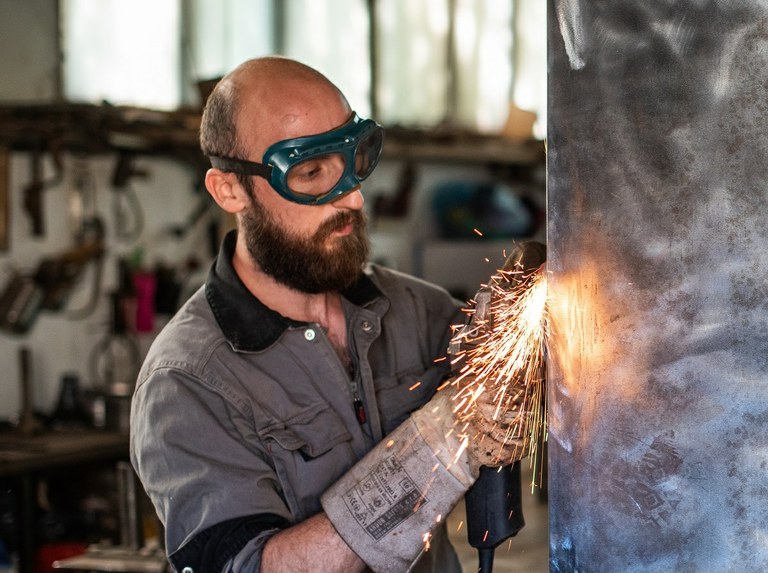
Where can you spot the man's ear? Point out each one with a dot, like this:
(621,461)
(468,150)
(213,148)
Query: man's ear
(225,190)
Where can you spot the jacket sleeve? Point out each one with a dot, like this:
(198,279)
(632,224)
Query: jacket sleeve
(205,470)
(232,545)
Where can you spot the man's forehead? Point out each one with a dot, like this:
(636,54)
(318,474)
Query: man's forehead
(313,122)
(270,112)
(268,129)
(291,122)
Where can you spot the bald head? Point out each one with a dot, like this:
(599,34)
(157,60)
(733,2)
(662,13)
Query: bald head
(267,99)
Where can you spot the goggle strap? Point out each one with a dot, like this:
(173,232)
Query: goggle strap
(241,166)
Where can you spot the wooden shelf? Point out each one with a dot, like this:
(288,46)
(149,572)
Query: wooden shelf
(105,128)
(93,129)
(466,150)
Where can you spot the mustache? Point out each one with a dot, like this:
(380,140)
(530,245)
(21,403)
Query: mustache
(340,220)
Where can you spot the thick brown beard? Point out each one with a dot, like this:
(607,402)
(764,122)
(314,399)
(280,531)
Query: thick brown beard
(314,264)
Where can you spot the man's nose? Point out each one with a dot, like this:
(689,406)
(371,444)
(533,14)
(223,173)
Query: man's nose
(352,199)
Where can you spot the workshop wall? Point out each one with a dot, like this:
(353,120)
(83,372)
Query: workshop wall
(167,195)
(61,343)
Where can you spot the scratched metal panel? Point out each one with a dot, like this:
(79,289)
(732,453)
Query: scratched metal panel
(658,252)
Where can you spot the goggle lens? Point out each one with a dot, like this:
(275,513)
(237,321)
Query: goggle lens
(367,153)
(316,175)
(319,174)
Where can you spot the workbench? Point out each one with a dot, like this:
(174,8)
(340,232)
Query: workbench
(25,460)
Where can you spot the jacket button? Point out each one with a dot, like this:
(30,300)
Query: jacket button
(309,334)
(367,326)
(187,570)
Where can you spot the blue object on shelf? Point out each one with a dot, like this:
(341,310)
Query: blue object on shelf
(462,208)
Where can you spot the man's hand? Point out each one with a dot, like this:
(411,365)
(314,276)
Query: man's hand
(387,505)
(496,433)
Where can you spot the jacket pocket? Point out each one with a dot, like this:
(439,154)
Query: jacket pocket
(412,390)
(310,451)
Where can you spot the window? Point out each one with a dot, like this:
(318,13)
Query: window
(224,33)
(432,61)
(484,42)
(530,61)
(332,36)
(414,80)
(113,51)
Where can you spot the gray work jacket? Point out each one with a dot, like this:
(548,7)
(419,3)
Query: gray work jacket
(242,418)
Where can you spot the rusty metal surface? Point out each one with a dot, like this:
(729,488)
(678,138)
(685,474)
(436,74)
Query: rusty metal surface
(657,236)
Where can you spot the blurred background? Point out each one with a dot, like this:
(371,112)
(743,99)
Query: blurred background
(106,228)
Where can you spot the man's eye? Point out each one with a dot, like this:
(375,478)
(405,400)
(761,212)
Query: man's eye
(309,170)
(314,172)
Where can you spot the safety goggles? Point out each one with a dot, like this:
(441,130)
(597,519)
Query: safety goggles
(316,169)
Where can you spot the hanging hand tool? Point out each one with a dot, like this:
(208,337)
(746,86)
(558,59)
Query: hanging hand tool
(20,303)
(89,233)
(115,359)
(57,275)
(48,287)
(128,213)
(33,193)
(28,422)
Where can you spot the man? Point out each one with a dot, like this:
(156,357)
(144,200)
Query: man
(258,402)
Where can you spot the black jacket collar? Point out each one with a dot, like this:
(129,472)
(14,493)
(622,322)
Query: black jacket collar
(246,322)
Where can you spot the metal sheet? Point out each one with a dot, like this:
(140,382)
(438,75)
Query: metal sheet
(657,235)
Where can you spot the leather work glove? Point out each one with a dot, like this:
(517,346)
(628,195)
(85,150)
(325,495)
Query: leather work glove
(496,436)
(386,506)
